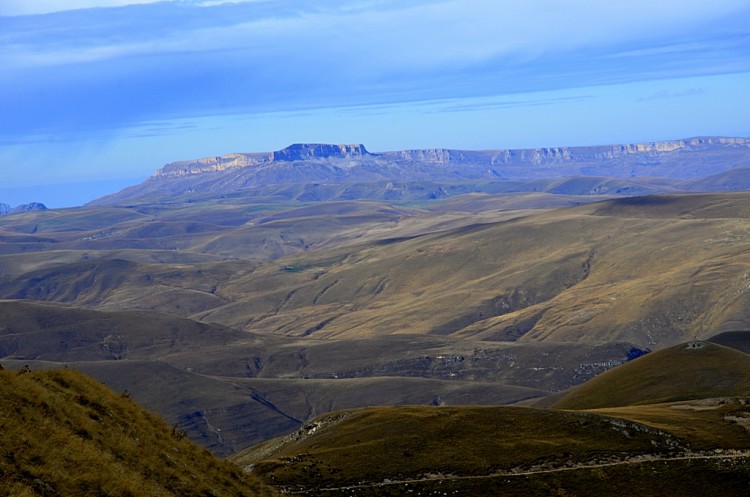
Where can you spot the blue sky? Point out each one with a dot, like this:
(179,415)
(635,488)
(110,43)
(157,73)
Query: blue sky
(97,94)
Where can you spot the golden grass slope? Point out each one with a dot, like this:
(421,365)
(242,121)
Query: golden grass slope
(694,370)
(65,434)
(650,271)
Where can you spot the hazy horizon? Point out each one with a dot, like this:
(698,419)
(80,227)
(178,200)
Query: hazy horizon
(101,93)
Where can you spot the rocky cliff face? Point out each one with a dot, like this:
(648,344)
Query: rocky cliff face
(211,164)
(292,153)
(33,206)
(525,157)
(303,151)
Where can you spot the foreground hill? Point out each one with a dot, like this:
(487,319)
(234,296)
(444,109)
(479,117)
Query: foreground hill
(65,434)
(474,451)
(643,447)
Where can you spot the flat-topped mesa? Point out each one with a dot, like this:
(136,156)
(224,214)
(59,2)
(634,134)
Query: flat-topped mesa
(308,151)
(549,156)
(315,164)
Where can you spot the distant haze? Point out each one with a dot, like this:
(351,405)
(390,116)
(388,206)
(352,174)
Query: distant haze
(94,94)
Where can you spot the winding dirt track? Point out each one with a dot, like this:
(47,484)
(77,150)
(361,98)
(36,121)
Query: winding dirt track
(726,454)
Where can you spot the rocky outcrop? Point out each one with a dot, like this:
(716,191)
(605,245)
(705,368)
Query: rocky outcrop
(211,164)
(33,206)
(292,153)
(303,151)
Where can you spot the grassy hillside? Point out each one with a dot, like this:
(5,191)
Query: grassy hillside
(677,410)
(650,271)
(65,434)
(376,443)
(695,370)
(483,303)
(473,451)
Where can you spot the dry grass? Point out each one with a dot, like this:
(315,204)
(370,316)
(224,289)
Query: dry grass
(696,370)
(66,434)
(651,272)
(409,442)
(639,451)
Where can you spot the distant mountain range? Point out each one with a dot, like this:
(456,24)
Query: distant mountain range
(311,172)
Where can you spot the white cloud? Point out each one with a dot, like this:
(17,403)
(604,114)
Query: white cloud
(32,7)
(397,37)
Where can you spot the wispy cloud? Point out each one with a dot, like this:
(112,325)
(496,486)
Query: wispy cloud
(35,7)
(160,60)
(665,94)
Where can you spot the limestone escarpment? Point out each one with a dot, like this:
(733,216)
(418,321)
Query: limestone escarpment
(308,151)
(430,173)
(527,157)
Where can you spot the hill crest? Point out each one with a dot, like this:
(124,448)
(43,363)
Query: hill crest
(688,371)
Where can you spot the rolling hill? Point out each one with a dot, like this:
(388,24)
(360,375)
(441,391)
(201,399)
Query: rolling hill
(694,370)
(649,271)
(680,410)
(240,301)
(508,451)
(467,302)
(229,389)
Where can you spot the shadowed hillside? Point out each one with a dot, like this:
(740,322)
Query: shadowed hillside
(65,434)
(739,340)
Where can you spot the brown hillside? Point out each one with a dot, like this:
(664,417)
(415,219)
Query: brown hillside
(695,370)
(65,434)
